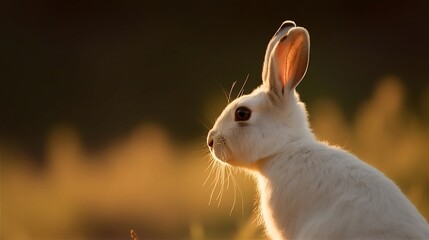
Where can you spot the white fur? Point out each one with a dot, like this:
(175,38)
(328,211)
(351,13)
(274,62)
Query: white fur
(308,189)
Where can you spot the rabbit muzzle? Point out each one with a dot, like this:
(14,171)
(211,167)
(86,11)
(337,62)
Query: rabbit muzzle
(217,146)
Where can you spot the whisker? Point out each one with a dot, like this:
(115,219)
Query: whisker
(230,91)
(223,90)
(199,120)
(215,183)
(222,186)
(203,150)
(235,194)
(212,165)
(217,175)
(239,191)
(227,178)
(223,177)
(240,93)
(219,196)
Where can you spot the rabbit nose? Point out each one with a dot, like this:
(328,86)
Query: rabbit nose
(210,140)
(211,144)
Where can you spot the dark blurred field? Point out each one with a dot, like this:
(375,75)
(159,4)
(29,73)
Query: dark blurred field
(102,103)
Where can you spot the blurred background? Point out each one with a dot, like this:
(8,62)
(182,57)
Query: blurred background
(103,106)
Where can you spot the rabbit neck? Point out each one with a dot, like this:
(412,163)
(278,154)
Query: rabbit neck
(280,182)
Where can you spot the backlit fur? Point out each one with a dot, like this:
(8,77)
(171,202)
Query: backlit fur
(308,189)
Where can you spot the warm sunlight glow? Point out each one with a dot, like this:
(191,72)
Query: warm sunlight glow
(152,184)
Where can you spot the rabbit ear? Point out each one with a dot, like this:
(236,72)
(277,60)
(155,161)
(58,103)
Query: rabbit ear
(284,28)
(288,60)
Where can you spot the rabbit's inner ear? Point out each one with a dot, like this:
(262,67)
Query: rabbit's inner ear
(290,59)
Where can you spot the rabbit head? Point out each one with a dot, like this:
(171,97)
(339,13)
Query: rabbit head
(258,126)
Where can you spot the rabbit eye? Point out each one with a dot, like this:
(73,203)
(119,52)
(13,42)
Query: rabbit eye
(242,114)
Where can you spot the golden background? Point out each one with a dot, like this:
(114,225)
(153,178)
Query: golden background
(103,107)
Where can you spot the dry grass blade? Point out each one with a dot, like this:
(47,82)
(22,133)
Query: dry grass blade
(133,235)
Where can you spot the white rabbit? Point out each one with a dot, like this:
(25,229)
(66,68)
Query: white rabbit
(308,189)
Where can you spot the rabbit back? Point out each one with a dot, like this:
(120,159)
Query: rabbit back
(319,191)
